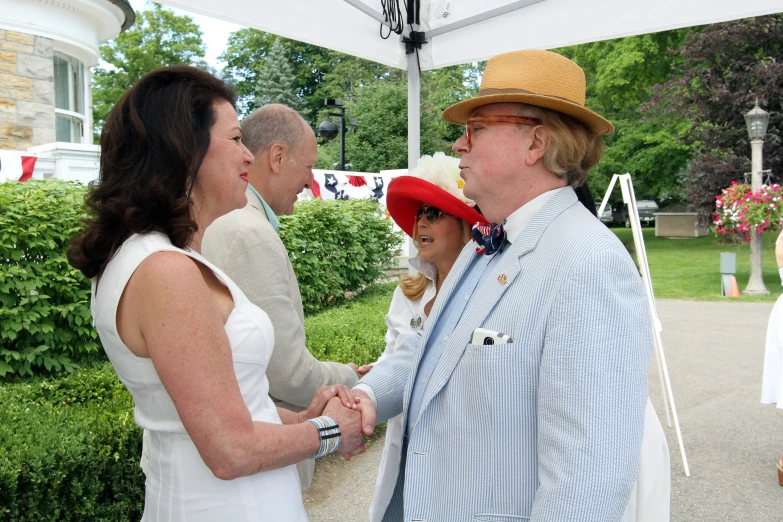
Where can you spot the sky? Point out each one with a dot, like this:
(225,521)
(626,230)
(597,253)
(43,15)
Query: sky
(215,32)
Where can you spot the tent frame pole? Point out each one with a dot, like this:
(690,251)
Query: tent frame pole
(475,19)
(414,126)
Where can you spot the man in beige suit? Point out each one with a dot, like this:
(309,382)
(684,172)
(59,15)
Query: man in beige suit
(245,245)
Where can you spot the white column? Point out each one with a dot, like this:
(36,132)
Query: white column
(88,123)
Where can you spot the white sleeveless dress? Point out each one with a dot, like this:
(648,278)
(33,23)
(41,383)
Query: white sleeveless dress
(179,486)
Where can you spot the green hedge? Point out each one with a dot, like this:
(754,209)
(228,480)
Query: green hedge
(45,321)
(69,448)
(336,247)
(353,332)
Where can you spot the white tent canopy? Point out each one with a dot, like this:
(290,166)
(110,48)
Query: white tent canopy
(352,26)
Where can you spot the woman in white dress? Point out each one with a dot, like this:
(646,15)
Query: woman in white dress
(183,338)
(772,377)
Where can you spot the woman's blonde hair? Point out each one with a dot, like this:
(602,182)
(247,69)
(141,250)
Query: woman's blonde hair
(414,286)
(573,150)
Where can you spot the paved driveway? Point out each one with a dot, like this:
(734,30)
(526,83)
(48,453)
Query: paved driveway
(715,353)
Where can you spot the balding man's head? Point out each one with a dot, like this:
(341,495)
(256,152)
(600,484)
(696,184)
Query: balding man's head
(274,123)
(285,152)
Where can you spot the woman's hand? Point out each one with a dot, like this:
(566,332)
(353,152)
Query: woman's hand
(323,395)
(360,371)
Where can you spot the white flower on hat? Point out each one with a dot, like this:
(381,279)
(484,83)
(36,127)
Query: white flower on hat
(442,171)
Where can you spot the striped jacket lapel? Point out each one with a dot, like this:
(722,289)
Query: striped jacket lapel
(486,297)
(461,266)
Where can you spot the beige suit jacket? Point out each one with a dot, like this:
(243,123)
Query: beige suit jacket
(244,245)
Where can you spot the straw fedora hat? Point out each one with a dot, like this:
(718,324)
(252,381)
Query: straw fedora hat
(540,78)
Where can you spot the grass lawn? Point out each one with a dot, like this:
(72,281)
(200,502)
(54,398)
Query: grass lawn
(690,268)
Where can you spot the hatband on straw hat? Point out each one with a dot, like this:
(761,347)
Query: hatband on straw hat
(541,78)
(435,182)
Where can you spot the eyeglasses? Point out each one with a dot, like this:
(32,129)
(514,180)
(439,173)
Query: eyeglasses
(432,214)
(519,120)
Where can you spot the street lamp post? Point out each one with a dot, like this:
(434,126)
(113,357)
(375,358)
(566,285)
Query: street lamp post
(756,120)
(329,130)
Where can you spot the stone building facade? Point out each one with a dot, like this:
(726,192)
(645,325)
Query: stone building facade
(47,48)
(27,114)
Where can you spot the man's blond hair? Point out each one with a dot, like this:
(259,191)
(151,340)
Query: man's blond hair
(573,150)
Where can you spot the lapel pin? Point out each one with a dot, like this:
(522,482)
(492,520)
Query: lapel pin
(502,279)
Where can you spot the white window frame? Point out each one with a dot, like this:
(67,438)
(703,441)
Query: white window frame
(86,118)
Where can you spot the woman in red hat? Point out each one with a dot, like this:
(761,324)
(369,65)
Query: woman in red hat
(430,207)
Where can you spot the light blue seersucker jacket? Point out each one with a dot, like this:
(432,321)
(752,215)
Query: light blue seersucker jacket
(549,427)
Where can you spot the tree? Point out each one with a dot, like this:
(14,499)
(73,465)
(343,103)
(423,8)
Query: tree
(621,74)
(158,38)
(245,57)
(276,82)
(380,140)
(441,88)
(724,68)
(320,73)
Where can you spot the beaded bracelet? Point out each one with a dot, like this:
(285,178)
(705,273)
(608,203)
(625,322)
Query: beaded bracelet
(329,432)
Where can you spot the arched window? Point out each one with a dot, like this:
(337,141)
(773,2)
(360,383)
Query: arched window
(69,94)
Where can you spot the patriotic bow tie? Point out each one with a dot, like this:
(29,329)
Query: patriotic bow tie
(490,238)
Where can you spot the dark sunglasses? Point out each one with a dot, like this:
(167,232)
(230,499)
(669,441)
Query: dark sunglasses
(432,214)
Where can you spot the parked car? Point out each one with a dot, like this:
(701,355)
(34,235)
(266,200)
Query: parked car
(606,215)
(647,209)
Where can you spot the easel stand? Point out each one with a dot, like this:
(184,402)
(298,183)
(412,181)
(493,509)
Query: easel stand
(629,198)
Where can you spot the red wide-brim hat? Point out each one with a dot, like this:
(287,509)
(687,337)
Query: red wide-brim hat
(406,195)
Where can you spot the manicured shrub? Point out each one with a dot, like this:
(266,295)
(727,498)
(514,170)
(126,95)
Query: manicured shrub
(45,321)
(69,449)
(354,331)
(336,247)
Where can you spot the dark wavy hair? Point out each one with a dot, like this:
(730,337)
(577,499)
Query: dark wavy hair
(152,145)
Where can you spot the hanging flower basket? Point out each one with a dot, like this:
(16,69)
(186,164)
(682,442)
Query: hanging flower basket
(740,211)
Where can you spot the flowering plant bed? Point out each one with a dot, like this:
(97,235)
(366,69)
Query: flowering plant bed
(740,211)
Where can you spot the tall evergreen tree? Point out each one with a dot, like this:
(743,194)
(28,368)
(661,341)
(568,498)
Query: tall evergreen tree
(276,82)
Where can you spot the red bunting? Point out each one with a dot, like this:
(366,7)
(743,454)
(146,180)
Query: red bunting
(316,189)
(356,181)
(28,165)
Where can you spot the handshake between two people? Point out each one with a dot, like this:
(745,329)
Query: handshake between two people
(352,410)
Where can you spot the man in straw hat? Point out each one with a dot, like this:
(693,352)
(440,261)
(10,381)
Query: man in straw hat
(524,397)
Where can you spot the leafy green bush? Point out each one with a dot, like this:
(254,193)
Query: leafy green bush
(354,331)
(337,246)
(45,320)
(69,449)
